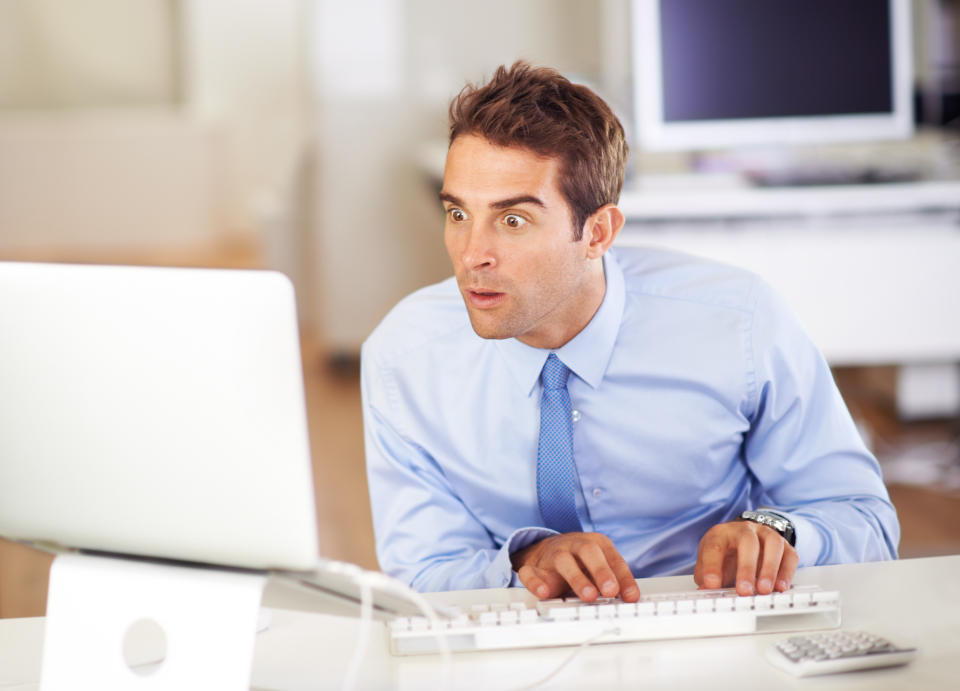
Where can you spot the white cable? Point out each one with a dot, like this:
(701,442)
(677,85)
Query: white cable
(579,649)
(436,625)
(363,637)
(367,581)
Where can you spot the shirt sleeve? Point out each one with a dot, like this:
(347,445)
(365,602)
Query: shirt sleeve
(425,535)
(804,448)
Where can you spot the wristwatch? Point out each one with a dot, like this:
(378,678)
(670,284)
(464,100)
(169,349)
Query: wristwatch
(772,519)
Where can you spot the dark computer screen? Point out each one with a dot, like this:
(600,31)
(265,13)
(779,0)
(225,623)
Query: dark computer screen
(734,59)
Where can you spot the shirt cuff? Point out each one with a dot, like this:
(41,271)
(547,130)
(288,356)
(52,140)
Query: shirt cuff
(500,573)
(809,543)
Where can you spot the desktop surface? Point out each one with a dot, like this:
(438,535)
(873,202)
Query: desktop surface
(913,602)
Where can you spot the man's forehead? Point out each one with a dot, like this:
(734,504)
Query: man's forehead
(477,168)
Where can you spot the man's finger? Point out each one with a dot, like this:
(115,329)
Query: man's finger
(542,584)
(713,549)
(595,560)
(568,567)
(773,544)
(748,551)
(788,567)
(629,592)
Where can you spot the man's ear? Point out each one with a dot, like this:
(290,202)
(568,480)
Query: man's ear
(602,228)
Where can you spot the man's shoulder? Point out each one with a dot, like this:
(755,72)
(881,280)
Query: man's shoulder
(673,275)
(425,317)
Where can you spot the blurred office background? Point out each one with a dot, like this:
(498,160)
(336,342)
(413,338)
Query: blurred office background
(308,136)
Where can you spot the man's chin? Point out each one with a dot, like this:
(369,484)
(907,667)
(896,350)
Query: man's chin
(490,329)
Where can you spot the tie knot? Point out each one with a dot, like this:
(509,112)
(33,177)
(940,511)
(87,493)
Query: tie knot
(554,374)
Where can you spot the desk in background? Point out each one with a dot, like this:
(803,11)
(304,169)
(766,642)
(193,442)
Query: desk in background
(912,602)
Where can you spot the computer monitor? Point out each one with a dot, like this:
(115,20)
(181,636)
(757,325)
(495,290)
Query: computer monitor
(717,74)
(155,412)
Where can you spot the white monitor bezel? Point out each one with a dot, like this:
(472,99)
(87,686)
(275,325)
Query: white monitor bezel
(657,135)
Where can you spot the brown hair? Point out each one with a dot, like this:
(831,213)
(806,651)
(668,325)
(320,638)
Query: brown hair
(539,109)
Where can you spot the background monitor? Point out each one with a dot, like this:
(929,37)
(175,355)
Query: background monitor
(715,74)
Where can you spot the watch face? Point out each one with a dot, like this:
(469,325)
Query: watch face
(779,523)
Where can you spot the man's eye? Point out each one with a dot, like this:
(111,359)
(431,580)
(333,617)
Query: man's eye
(514,221)
(456,215)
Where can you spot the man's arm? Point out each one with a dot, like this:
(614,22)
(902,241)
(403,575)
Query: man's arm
(808,458)
(425,535)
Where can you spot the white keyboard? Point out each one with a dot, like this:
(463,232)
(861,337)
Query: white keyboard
(656,616)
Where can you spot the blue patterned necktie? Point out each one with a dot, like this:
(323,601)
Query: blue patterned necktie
(556,471)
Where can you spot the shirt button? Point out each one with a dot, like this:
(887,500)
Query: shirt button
(575,415)
(597,492)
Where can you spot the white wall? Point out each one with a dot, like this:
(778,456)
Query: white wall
(154,125)
(379,227)
(245,69)
(92,53)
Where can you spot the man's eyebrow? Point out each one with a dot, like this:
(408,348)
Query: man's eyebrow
(516,201)
(446,197)
(501,204)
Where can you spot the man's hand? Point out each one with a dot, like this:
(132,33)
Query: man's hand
(586,563)
(754,557)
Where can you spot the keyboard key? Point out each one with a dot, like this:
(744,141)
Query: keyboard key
(587,612)
(606,611)
(827,597)
(509,616)
(529,616)
(666,607)
(781,600)
(724,604)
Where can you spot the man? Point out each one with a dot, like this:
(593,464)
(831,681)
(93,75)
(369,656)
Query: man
(571,417)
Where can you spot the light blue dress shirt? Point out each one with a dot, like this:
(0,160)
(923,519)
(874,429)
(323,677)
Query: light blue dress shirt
(696,394)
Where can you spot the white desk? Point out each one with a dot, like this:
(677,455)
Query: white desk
(912,602)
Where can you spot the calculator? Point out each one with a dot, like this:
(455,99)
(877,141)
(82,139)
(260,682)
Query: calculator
(838,651)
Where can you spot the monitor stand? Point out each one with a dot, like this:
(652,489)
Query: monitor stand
(117,623)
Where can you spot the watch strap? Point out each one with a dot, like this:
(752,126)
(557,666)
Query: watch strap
(772,519)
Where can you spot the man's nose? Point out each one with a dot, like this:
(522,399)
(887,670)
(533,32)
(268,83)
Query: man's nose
(479,251)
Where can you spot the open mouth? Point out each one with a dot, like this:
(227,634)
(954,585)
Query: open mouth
(485,298)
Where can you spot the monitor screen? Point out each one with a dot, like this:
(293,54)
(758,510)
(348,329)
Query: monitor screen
(721,73)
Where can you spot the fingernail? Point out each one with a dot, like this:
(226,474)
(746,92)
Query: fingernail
(782,585)
(630,591)
(764,585)
(588,592)
(711,581)
(542,591)
(746,587)
(609,587)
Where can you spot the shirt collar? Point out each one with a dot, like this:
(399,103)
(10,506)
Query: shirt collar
(588,353)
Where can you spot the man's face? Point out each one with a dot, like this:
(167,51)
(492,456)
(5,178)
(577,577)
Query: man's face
(509,234)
